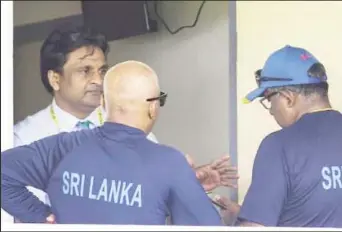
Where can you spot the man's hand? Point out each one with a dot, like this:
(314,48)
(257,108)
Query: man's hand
(51,219)
(230,211)
(218,173)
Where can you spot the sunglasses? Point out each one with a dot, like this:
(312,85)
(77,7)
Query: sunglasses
(259,79)
(316,70)
(266,100)
(162,99)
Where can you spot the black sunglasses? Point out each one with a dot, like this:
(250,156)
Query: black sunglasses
(162,98)
(259,79)
(316,70)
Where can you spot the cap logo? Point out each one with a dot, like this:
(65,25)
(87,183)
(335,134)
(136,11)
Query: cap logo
(305,56)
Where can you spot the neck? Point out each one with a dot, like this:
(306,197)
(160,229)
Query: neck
(318,106)
(131,121)
(72,109)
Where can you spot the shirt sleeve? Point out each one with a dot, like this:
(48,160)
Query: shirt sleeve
(267,193)
(29,165)
(6,217)
(188,202)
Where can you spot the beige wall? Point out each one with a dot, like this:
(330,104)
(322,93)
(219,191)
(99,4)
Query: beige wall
(192,66)
(264,27)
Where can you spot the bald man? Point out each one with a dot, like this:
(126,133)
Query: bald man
(107,175)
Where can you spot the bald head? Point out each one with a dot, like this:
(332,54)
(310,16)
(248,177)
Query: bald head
(127,85)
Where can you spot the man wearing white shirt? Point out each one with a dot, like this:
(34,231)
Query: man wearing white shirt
(37,126)
(73,63)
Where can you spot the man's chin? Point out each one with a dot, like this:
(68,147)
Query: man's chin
(92,104)
(92,100)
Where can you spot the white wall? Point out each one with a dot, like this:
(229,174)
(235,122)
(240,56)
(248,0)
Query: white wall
(264,27)
(192,66)
(6,76)
(6,84)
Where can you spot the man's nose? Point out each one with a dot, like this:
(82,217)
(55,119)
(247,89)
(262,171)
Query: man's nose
(97,78)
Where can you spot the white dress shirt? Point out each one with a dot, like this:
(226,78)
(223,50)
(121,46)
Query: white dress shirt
(42,124)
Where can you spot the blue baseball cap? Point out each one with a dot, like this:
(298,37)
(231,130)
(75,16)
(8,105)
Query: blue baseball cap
(286,66)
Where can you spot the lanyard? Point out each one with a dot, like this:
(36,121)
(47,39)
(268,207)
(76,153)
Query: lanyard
(55,119)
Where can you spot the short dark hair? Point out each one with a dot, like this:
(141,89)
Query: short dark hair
(321,89)
(61,42)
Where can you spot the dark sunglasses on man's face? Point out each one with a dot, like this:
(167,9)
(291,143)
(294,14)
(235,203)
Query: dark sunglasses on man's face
(162,98)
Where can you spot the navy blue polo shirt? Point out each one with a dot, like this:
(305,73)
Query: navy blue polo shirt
(297,175)
(109,175)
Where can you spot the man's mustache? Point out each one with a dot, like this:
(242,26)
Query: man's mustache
(95,88)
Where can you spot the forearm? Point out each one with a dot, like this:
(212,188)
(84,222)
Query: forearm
(231,214)
(247,223)
(21,203)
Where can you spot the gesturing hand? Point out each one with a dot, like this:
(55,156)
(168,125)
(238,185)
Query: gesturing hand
(218,173)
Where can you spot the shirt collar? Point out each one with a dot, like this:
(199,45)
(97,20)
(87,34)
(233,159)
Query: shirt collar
(120,131)
(67,122)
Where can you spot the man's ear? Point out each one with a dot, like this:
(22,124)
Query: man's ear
(54,79)
(153,110)
(291,98)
